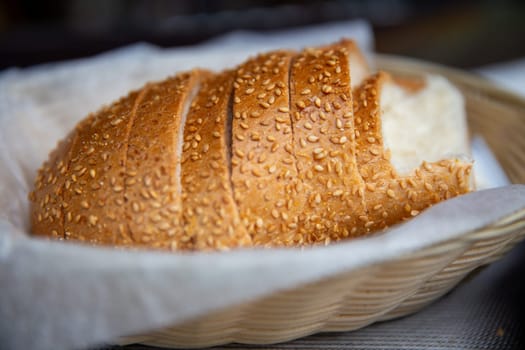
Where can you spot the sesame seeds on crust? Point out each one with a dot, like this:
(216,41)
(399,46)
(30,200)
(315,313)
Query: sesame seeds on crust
(324,144)
(153,204)
(304,162)
(47,211)
(94,181)
(264,173)
(210,216)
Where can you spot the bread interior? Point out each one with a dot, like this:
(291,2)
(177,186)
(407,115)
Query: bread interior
(423,124)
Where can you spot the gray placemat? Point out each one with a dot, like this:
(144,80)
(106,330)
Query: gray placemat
(485,312)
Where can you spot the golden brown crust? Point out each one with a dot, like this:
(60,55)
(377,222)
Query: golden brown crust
(359,68)
(321,106)
(211,218)
(391,198)
(152,186)
(264,169)
(47,213)
(91,188)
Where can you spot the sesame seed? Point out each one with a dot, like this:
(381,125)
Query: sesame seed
(428,186)
(414,212)
(264,105)
(92,219)
(249,91)
(278,92)
(84,204)
(374,151)
(302,142)
(116,122)
(338,193)
(326,89)
(272,169)
(300,104)
(371,139)
(216,134)
(317,102)
(312,138)
(306,91)
(318,167)
(390,193)
(427,166)
(317,198)
(280,119)
(257,172)
(259,223)
(284,109)
(255,114)
(343,139)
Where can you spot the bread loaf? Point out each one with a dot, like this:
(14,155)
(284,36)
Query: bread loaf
(288,149)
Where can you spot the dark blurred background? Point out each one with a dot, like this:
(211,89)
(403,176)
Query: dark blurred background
(458,33)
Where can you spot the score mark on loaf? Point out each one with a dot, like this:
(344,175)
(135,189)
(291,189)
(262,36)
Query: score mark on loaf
(288,149)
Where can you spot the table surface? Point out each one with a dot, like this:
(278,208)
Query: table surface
(486,311)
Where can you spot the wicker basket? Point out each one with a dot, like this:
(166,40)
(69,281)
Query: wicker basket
(394,288)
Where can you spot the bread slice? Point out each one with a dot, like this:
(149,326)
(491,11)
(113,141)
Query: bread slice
(397,193)
(152,188)
(211,217)
(321,106)
(47,213)
(94,181)
(264,171)
(359,68)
